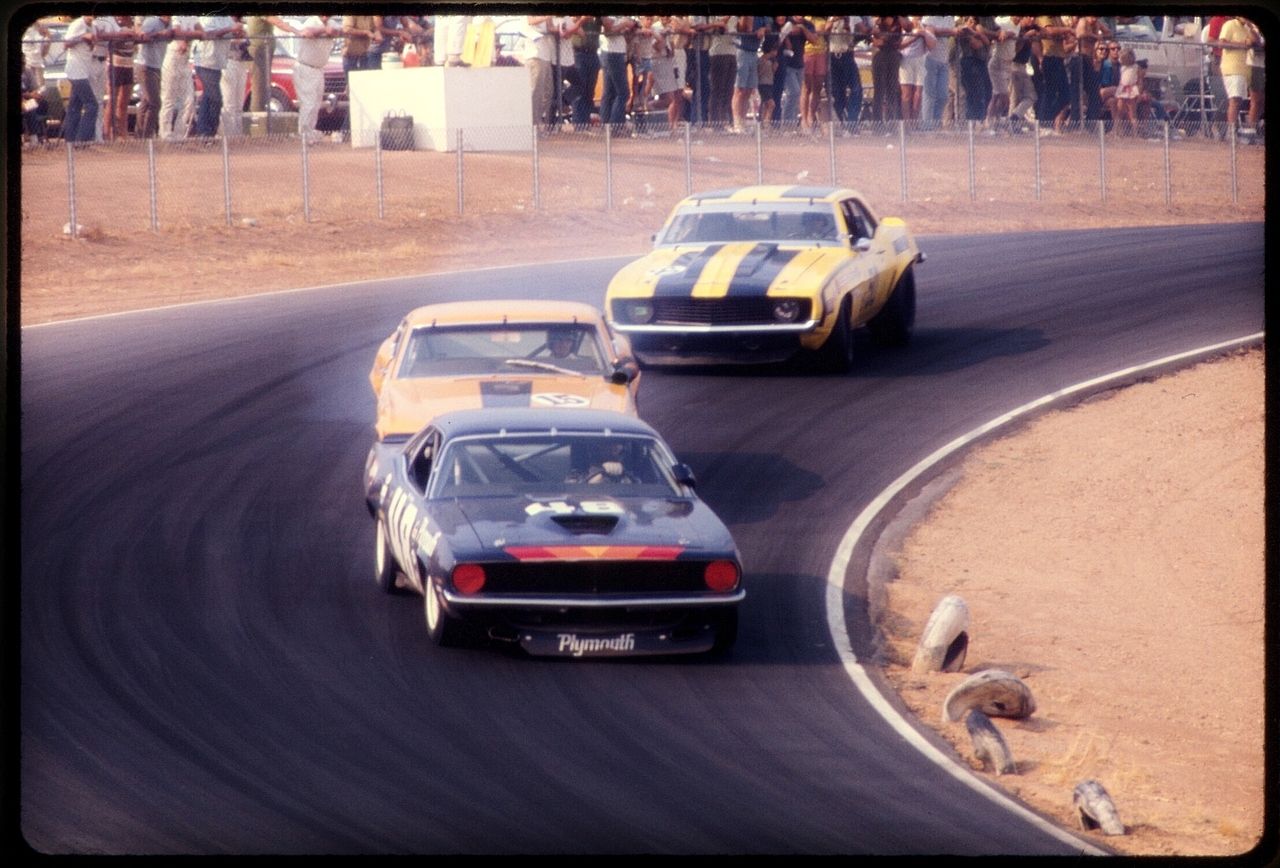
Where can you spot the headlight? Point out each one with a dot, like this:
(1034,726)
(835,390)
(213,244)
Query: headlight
(634,311)
(786,310)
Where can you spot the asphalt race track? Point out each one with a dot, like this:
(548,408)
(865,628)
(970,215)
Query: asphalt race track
(207,666)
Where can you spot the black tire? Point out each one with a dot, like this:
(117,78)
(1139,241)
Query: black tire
(444,629)
(385,568)
(726,626)
(893,324)
(836,355)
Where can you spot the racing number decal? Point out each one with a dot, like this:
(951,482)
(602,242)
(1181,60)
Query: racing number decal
(401,515)
(554,399)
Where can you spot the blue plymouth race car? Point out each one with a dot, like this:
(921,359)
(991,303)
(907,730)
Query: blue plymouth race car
(568,532)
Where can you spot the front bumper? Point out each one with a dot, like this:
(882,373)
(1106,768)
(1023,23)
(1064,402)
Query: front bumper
(671,344)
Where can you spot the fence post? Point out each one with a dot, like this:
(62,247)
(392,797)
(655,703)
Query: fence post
(760,152)
(973,181)
(901,156)
(226,177)
(377,174)
(306,181)
(151,184)
(688,158)
(831,146)
(461,175)
(608,167)
(1235,193)
(1168,188)
(1036,141)
(1102,161)
(537,192)
(71,188)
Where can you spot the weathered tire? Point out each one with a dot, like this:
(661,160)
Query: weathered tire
(836,355)
(385,569)
(989,746)
(444,630)
(893,324)
(994,692)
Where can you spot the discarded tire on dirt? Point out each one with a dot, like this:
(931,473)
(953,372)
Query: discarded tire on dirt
(989,746)
(1096,809)
(993,691)
(945,639)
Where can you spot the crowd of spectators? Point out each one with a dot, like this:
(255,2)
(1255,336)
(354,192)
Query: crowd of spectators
(633,72)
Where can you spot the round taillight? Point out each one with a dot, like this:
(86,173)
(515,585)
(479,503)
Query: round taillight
(721,575)
(468,578)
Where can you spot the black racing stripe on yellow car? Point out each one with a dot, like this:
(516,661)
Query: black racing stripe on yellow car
(759,269)
(506,393)
(688,268)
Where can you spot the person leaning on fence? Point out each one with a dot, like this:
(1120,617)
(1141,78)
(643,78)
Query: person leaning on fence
(539,58)
(792,38)
(766,72)
(35,46)
(104,26)
(886,94)
(974,47)
(846,85)
(211,59)
(586,61)
(1053,68)
(234,82)
(81,115)
(666,74)
(816,66)
(1022,88)
(911,66)
(1237,38)
(308,71)
(154,34)
(1091,34)
(613,61)
(640,53)
(750,34)
(176,91)
(722,54)
(937,68)
(1257,80)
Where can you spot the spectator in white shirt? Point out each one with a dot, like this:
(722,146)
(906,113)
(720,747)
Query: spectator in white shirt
(81,115)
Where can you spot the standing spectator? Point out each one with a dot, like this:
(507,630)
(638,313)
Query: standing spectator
(975,50)
(234,84)
(104,27)
(1053,68)
(766,72)
(723,57)
(1257,61)
(886,42)
(1238,37)
(1022,89)
(666,74)
(843,77)
(937,68)
(816,68)
(699,77)
(175,78)
(641,51)
(1000,70)
(120,78)
(792,38)
(35,47)
(914,48)
(314,47)
(211,58)
(1091,33)
(81,115)
(154,35)
(360,35)
(586,60)
(613,61)
(1069,112)
(539,57)
(567,87)
(750,33)
(1127,92)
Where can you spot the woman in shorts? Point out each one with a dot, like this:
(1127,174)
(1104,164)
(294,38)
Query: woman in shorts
(665,71)
(911,67)
(815,74)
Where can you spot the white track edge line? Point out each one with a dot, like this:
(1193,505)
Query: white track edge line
(844,554)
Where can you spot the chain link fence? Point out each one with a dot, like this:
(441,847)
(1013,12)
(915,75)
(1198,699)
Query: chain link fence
(139,185)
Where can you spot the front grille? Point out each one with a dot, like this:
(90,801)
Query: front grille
(335,82)
(594,577)
(728,311)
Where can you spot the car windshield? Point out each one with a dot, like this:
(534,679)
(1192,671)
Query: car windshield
(438,351)
(555,464)
(784,223)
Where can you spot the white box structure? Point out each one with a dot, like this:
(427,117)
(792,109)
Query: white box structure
(493,106)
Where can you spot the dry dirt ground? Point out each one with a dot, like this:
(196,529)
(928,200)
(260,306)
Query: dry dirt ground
(1124,583)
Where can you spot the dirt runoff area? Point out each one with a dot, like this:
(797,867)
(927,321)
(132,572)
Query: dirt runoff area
(1124,584)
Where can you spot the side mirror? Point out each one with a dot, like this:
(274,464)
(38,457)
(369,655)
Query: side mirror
(684,474)
(624,372)
(862,245)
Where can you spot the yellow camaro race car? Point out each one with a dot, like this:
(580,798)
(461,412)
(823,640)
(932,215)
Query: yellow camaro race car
(758,274)
(475,354)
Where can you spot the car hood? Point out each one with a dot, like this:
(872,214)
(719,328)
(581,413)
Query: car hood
(737,268)
(405,406)
(569,527)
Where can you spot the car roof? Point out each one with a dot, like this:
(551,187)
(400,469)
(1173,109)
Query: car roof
(491,312)
(524,420)
(771,193)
